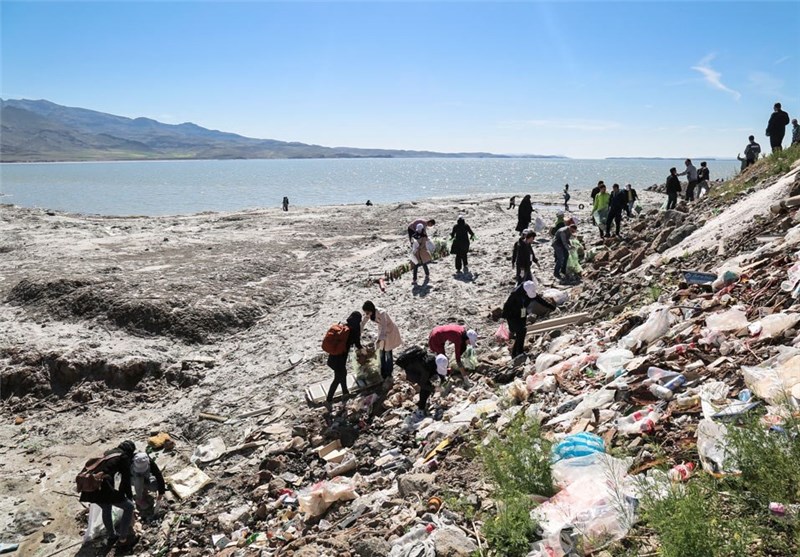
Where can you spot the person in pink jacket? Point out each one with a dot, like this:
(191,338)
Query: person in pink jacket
(458,335)
(388,335)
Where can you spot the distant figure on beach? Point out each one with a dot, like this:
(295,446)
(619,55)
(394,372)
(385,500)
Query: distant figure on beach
(421,253)
(691,175)
(703,180)
(596,189)
(512,202)
(566,197)
(600,209)
(795,132)
(616,206)
(776,127)
(561,245)
(673,188)
(414,226)
(338,361)
(633,197)
(369,203)
(461,235)
(751,152)
(522,256)
(524,213)
(285,203)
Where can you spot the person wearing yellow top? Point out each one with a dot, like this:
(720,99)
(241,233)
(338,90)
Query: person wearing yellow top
(600,209)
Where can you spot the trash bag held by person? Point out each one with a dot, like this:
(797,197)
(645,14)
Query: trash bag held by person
(96,483)
(461,236)
(338,362)
(146,478)
(524,213)
(388,335)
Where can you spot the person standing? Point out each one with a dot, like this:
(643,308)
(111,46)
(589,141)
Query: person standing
(776,127)
(561,244)
(596,189)
(524,212)
(673,188)
(285,203)
(515,312)
(795,132)
(691,175)
(414,228)
(512,202)
(600,209)
(455,334)
(632,198)
(616,206)
(421,253)
(751,152)
(566,197)
(388,335)
(461,236)
(703,180)
(115,461)
(338,362)
(522,256)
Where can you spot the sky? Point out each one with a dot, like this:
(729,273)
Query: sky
(579,79)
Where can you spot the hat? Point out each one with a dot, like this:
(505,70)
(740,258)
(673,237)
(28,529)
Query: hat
(559,213)
(530,288)
(441,365)
(526,231)
(472,336)
(461,217)
(420,227)
(141,463)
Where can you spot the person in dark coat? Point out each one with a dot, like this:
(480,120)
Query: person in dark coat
(422,368)
(522,256)
(338,362)
(617,205)
(673,188)
(561,244)
(461,235)
(146,478)
(515,312)
(632,198)
(524,212)
(776,128)
(108,496)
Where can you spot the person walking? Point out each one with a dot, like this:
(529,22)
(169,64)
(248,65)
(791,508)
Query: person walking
(461,236)
(561,244)
(795,132)
(285,203)
(515,312)
(596,189)
(566,197)
(691,175)
(524,212)
(115,461)
(616,206)
(414,228)
(632,198)
(600,209)
(388,335)
(420,253)
(673,188)
(703,180)
(751,152)
(776,127)
(522,256)
(338,362)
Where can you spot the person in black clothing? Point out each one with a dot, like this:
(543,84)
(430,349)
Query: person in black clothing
(631,197)
(617,205)
(596,189)
(751,152)
(566,197)
(285,203)
(108,496)
(524,212)
(703,179)
(515,311)
(461,235)
(512,202)
(673,188)
(422,368)
(561,244)
(522,256)
(338,363)
(776,128)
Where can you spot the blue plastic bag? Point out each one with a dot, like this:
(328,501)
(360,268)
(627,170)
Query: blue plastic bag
(578,444)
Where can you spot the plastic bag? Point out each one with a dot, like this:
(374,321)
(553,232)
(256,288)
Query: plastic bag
(773,382)
(612,360)
(538,224)
(731,320)
(502,334)
(711,446)
(655,327)
(366,366)
(315,500)
(545,361)
(578,444)
(774,325)
(95,526)
(600,217)
(597,464)
(469,358)
(573,263)
(558,297)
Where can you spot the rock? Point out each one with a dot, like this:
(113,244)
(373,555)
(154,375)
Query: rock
(679,234)
(299,431)
(413,484)
(673,218)
(638,258)
(661,237)
(451,542)
(371,547)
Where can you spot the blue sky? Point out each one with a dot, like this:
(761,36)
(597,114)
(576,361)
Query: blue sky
(579,79)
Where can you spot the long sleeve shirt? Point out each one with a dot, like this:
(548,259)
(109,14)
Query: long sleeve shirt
(448,333)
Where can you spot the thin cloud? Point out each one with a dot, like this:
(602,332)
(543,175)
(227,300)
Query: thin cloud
(713,77)
(781,60)
(766,84)
(565,124)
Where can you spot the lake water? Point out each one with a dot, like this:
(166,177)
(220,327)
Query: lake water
(180,187)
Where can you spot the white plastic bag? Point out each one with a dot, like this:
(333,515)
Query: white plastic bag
(655,327)
(611,360)
(731,320)
(94,525)
(545,361)
(712,446)
(774,325)
(558,297)
(773,382)
(315,500)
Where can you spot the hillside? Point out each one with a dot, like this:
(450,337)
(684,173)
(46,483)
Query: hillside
(37,131)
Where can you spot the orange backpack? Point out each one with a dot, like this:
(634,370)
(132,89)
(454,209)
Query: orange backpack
(335,341)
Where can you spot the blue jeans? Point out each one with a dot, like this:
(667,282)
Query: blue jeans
(124,523)
(561,261)
(387,363)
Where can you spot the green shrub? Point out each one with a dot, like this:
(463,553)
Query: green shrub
(511,531)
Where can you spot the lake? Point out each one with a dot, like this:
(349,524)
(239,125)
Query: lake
(181,187)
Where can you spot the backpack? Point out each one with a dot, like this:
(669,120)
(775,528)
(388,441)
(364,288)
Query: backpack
(91,478)
(411,361)
(335,340)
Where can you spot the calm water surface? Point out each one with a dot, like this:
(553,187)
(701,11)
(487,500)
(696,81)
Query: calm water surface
(179,187)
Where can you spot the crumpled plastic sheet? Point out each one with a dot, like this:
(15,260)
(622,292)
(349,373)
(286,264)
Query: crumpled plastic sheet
(589,402)
(612,360)
(421,548)
(712,446)
(655,327)
(774,378)
(316,499)
(730,320)
(546,360)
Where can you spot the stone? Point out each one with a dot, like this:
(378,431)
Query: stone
(673,218)
(452,542)
(661,237)
(638,258)
(415,484)
(680,234)
(371,547)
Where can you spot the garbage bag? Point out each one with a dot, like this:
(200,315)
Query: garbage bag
(712,446)
(773,382)
(578,444)
(558,297)
(366,366)
(545,361)
(538,224)
(600,217)
(730,320)
(95,527)
(315,500)
(774,325)
(469,358)
(418,548)
(598,465)
(574,263)
(612,360)
(502,334)
(654,328)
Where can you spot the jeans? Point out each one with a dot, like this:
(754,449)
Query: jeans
(124,523)
(461,259)
(424,267)
(617,219)
(561,255)
(387,363)
(517,329)
(672,200)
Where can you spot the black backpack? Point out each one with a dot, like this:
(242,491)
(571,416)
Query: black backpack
(413,361)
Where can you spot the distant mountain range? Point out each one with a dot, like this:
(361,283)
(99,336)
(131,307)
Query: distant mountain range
(38,131)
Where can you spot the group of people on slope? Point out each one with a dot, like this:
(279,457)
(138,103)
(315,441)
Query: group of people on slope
(697,178)
(608,208)
(776,131)
(422,248)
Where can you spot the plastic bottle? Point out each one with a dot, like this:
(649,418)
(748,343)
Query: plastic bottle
(636,416)
(678,349)
(675,383)
(681,472)
(419,533)
(660,391)
(686,402)
(639,422)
